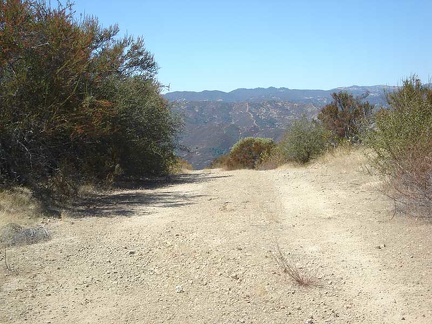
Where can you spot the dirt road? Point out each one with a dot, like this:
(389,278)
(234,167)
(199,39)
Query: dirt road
(205,249)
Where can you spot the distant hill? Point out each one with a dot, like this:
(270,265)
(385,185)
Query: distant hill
(215,120)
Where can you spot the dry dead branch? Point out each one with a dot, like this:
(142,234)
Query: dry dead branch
(300,277)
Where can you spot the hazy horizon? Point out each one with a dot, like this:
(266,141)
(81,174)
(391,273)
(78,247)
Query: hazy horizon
(282,87)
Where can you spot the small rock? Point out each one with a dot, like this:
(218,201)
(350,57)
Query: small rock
(131,252)
(235,276)
(179,289)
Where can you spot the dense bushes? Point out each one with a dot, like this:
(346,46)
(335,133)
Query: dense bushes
(303,141)
(78,103)
(402,144)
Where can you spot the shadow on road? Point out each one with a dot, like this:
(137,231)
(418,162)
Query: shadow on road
(126,198)
(172,180)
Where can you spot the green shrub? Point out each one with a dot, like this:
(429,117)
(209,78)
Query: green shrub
(304,141)
(401,142)
(248,153)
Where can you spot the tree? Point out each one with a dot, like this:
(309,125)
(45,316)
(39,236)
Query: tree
(345,116)
(78,102)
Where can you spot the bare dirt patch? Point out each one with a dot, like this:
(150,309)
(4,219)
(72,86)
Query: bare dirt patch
(201,250)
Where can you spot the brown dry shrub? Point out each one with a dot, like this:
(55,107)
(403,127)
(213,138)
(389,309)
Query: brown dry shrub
(302,278)
(411,184)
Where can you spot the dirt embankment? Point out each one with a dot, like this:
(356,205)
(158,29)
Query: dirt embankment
(204,250)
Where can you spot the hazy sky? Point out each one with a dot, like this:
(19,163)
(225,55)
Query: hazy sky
(298,44)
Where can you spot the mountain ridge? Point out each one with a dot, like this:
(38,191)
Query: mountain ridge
(375,94)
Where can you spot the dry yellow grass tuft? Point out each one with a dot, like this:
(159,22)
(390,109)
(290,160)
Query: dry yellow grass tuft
(18,206)
(344,159)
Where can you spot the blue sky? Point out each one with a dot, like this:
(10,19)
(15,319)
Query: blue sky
(298,44)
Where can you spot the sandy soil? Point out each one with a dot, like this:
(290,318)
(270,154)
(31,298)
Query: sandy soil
(204,250)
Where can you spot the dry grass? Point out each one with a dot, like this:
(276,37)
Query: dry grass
(344,159)
(302,278)
(13,234)
(345,156)
(18,206)
(410,183)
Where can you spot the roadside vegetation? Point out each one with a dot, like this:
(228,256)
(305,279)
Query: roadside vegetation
(79,104)
(401,146)
(397,139)
(342,122)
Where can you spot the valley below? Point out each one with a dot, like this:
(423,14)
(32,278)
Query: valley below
(214,120)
